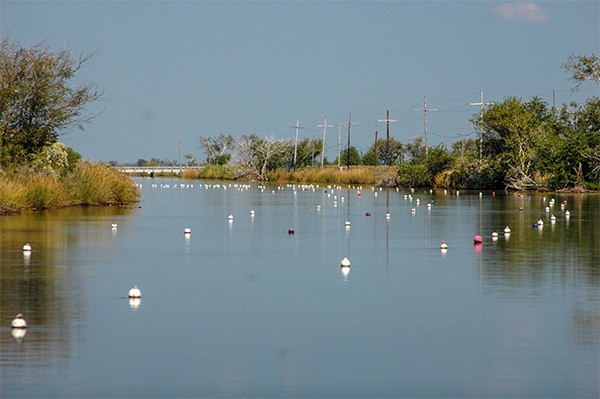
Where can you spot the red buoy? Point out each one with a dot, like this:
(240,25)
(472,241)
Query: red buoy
(477,240)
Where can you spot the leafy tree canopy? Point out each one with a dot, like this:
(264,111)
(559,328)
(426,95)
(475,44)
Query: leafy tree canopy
(37,100)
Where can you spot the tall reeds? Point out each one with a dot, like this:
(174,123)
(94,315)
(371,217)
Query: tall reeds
(88,184)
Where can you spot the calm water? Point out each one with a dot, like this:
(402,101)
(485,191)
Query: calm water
(242,308)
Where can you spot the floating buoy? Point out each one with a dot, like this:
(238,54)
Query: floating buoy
(507,229)
(291,231)
(252,212)
(318,207)
(387,215)
(27,248)
(443,245)
(477,239)
(345,262)
(347,223)
(552,217)
(567,213)
(113,225)
(368,213)
(187,231)
(230,217)
(540,222)
(547,209)
(413,210)
(135,292)
(494,234)
(19,322)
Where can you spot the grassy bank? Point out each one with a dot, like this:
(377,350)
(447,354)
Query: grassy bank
(327,175)
(87,184)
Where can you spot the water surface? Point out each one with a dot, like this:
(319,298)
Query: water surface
(244,309)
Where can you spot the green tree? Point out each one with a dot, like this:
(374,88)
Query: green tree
(354,157)
(378,156)
(37,99)
(416,149)
(517,136)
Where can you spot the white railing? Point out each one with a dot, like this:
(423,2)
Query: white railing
(176,170)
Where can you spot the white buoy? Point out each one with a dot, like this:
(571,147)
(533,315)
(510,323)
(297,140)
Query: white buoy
(27,248)
(19,322)
(507,229)
(540,222)
(347,223)
(443,245)
(187,231)
(230,217)
(552,217)
(135,292)
(252,213)
(345,262)
(387,215)
(113,225)
(413,210)
(567,213)
(494,234)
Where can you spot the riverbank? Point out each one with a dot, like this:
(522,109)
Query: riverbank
(357,175)
(88,184)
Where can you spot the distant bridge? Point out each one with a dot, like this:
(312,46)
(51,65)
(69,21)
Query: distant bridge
(156,170)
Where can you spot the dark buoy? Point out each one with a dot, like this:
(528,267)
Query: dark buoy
(368,213)
(291,231)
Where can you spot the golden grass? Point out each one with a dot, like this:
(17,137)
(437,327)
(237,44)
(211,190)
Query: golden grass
(333,175)
(88,184)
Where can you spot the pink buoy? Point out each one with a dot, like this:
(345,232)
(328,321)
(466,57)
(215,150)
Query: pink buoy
(477,239)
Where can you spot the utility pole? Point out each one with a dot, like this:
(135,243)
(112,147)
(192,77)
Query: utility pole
(324,126)
(387,120)
(462,142)
(350,123)
(180,153)
(296,140)
(425,110)
(339,144)
(375,156)
(480,104)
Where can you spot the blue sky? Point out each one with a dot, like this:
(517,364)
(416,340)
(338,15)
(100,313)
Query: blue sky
(201,67)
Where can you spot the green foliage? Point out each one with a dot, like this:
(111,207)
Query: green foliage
(37,101)
(377,153)
(354,157)
(413,175)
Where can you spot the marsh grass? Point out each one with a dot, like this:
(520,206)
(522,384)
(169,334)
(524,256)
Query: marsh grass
(88,184)
(333,175)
